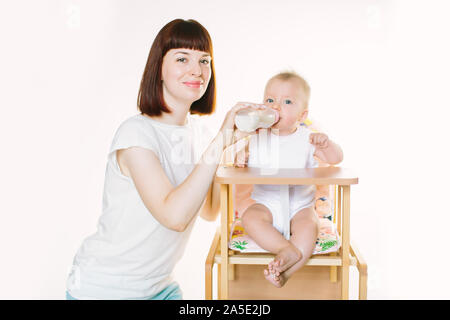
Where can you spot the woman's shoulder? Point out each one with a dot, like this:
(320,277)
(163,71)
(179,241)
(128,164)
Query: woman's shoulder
(134,121)
(135,131)
(136,124)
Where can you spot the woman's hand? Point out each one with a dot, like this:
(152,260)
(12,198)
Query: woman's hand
(228,129)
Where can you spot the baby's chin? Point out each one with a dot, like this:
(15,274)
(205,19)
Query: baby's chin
(283,127)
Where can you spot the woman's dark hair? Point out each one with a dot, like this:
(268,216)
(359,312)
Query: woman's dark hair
(179,33)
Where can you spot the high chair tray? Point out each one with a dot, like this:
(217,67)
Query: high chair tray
(318,176)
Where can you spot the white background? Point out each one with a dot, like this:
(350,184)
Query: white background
(379,72)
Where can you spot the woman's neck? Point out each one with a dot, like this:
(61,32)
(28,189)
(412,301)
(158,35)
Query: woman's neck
(177,116)
(177,119)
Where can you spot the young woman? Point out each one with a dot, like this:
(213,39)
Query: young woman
(153,188)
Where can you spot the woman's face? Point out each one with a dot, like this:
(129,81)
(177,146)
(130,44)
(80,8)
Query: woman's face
(185,75)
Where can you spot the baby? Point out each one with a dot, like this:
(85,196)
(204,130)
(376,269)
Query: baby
(297,147)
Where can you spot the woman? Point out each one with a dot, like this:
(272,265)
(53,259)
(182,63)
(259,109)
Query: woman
(153,189)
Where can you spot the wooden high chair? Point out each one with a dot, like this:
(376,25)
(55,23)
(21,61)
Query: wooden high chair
(338,284)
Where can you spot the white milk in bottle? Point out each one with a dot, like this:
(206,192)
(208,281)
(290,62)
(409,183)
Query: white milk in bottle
(248,120)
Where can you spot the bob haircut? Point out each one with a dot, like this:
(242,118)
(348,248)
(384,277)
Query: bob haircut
(179,33)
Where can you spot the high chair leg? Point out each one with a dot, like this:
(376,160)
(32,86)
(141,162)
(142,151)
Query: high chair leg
(219,283)
(345,247)
(224,233)
(209,266)
(231,271)
(208,282)
(362,286)
(231,267)
(362,269)
(231,195)
(333,271)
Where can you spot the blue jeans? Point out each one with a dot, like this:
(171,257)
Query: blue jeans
(172,292)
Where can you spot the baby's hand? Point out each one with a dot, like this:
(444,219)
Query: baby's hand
(319,140)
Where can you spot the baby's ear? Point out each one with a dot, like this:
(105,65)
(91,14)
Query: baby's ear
(303,115)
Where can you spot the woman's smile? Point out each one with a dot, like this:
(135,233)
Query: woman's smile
(193,84)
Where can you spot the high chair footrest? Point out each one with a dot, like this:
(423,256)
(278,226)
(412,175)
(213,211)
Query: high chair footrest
(264,259)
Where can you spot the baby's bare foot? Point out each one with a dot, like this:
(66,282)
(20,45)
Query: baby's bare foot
(285,259)
(273,267)
(277,280)
(273,279)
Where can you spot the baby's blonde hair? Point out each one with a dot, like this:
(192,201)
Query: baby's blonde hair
(288,75)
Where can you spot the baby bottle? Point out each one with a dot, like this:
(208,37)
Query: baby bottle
(248,120)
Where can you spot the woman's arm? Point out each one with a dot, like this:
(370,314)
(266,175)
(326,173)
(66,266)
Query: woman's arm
(238,152)
(175,207)
(211,206)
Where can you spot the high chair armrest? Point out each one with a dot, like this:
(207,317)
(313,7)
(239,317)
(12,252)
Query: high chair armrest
(213,249)
(360,262)
(362,269)
(209,265)
(308,176)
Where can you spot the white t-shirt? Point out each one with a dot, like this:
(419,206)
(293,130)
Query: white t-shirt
(132,255)
(268,151)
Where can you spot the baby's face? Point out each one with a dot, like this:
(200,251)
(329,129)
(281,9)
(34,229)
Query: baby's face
(286,97)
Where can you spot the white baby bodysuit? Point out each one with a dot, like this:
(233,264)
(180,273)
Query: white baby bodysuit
(269,152)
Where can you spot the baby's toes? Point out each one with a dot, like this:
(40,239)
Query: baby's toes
(273,266)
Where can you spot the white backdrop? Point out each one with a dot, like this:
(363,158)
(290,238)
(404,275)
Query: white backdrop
(379,72)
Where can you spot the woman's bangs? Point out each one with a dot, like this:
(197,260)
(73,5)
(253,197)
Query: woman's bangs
(190,36)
